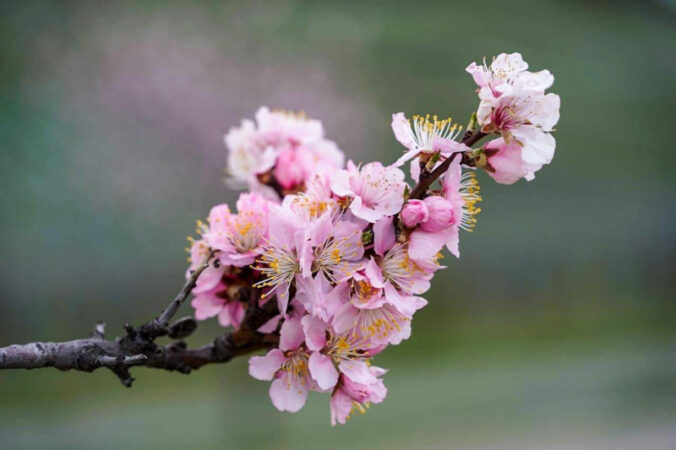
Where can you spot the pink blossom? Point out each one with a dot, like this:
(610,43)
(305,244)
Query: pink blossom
(408,275)
(238,237)
(246,149)
(350,396)
(504,162)
(289,144)
(279,261)
(210,291)
(315,202)
(425,135)
(282,127)
(375,190)
(335,250)
(514,104)
(382,325)
(318,297)
(287,367)
(213,303)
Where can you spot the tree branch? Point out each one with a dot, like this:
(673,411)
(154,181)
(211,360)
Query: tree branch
(138,347)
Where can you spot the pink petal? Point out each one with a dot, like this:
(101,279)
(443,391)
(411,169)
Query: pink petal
(345,318)
(287,394)
(319,230)
(282,293)
(341,406)
(383,235)
(425,245)
(374,274)
(453,242)
(322,370)
(270,325)
(315,332)
(357,371)
(406,157)
(335,299)
(415,170)
(402,130)
(449,146)
(232,314)
(405,304)
(340,183)
(451,181)
(208,279)
(291,335)
(207,305)
(265,367)
(378,392)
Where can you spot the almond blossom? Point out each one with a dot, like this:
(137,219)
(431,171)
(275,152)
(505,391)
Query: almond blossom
(284,144)
(324,266)
(423,135)
(374,190)
(239,237)
(504,162)
(513,103)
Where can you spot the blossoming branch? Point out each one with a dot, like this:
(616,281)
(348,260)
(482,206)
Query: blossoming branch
(323,263)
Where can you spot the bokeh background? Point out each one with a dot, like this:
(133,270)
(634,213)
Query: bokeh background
(557,327)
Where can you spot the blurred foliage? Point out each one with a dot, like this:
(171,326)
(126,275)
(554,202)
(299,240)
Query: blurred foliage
(555,327)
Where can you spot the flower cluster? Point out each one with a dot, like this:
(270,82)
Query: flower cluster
(514,105)
(280,146)
(345,253)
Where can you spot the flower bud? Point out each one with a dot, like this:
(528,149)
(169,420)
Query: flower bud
(288,171)
(356,391)
(440,214)
(414,213)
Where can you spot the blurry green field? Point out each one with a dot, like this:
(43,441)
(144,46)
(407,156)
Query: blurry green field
(608,394)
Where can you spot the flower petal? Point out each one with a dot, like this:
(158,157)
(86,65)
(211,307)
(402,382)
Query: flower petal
(383,235)
(265,367)
(287,393)
(402,130)
(341,406)
(291,335)
(207,305)
(357,371)
(322,370)
(315,332)
(425,245)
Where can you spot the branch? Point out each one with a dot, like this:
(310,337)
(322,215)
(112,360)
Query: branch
(427,178)
(138,347)
(158,326)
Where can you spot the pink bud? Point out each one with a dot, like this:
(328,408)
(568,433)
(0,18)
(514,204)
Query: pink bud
(288,171)
(440,214)
(505,164)
(414,212)
(356,391)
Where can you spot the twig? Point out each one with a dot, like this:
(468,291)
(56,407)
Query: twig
(158,326)
(427,178)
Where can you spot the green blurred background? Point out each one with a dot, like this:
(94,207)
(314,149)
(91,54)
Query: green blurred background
(556,329)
